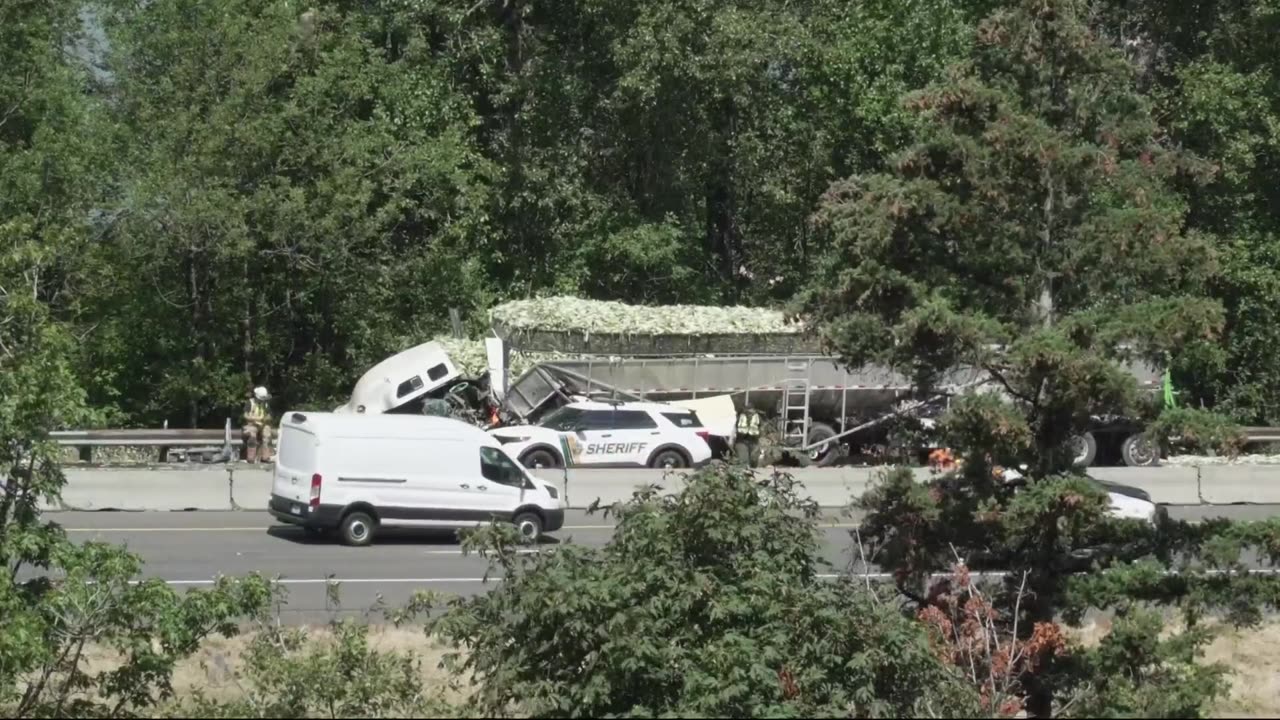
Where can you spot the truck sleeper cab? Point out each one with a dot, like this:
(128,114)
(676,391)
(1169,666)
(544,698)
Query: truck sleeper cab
(357,473)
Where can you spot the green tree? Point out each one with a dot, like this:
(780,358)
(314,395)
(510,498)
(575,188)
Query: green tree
(671,151)
(299,193)
(1035,232)
(58,598)
(706,603)
(1220,98)
(1036,215)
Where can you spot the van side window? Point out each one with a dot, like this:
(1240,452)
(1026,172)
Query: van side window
(437,372)
(412,384)
(499,468)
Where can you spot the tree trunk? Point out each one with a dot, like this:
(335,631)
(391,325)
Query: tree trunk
(193,289)
(1046,289)
(724,241)
(246,336)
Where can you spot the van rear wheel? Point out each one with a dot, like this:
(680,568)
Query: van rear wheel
(529,525)
(356,529)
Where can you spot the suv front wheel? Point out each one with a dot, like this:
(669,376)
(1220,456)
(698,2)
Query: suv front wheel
(540,458)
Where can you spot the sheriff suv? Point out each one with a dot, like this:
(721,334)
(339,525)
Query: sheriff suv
(610,435)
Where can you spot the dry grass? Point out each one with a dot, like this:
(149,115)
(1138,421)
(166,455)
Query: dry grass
(213,669)
(1253,656)
(1254,659)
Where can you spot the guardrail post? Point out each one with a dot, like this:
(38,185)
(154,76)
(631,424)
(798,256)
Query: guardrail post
(226,441)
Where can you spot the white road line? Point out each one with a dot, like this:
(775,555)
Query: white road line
(992,575)
(335,581)
(257,528)
(263,528)
(519,551)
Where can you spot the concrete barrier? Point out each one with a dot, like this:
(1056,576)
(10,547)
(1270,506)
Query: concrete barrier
(1229,484)
(1170,485)
(585,487)
(249,487)
(834,487)
(203,488)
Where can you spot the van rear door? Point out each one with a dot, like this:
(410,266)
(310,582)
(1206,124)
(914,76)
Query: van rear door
(296,461)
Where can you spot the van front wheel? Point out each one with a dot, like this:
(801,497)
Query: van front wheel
(530,526)
(356,529)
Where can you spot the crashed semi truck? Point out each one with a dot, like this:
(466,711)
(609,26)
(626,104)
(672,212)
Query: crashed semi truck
(757,360)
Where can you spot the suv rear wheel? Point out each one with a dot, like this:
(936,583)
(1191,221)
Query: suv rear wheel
(669,460)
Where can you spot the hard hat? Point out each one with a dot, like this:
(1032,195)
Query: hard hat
(261,393)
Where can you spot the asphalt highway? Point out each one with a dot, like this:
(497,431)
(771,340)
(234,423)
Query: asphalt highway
(190,549)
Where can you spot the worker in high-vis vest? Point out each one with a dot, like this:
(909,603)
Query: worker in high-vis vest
(257,426)
(747,436)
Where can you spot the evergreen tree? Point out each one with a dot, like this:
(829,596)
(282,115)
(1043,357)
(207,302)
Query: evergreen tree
(1035,232)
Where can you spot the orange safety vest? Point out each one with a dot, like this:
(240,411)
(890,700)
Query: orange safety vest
(942,459)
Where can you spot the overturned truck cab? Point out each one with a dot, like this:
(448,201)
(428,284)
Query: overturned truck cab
(403,382)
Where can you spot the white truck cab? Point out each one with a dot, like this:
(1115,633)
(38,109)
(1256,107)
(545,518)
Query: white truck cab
(358,473)
(401,379)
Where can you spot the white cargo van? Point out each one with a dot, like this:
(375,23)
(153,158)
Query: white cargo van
(355,473)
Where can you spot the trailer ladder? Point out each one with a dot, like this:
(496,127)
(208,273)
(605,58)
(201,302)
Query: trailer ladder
(795,403)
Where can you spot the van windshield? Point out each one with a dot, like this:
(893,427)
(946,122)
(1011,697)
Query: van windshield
(496,466)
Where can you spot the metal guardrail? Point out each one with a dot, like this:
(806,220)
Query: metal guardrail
(187,441)
(1262,434)
(228,442)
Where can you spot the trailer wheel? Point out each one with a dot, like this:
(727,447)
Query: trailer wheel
(1084,449)
(1138,451)
(540,458)
(824,455)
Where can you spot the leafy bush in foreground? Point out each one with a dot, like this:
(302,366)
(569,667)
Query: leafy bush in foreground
(706,603)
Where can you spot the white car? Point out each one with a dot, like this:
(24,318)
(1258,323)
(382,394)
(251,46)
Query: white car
(1126,502)
(610,435)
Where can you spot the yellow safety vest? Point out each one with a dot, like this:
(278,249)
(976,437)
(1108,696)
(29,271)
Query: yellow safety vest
(257,412)
(749,424)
